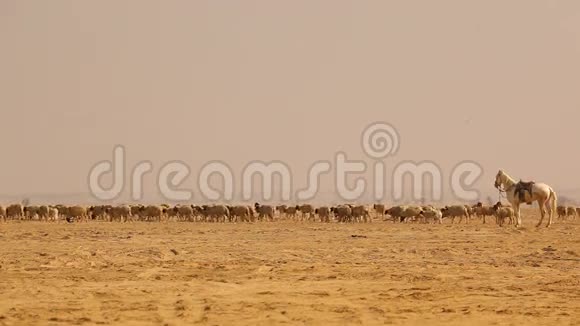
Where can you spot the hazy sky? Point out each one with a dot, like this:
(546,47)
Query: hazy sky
(497,82)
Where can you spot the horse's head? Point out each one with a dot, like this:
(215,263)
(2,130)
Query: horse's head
(498,179)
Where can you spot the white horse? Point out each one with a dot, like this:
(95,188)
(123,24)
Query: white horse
(540,192)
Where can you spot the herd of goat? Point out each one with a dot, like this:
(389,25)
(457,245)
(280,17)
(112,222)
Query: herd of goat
(243,213)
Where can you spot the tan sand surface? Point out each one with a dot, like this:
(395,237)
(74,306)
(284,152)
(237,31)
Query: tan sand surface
(181,273)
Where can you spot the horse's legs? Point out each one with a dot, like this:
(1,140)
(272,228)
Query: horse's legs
(542,211)
(518,216)
(552,205)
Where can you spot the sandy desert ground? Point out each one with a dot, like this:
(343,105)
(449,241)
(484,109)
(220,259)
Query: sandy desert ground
(289,273)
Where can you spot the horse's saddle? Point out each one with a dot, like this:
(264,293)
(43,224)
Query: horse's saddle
(521,188)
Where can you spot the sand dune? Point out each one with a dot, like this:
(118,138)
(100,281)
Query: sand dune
(289,273)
